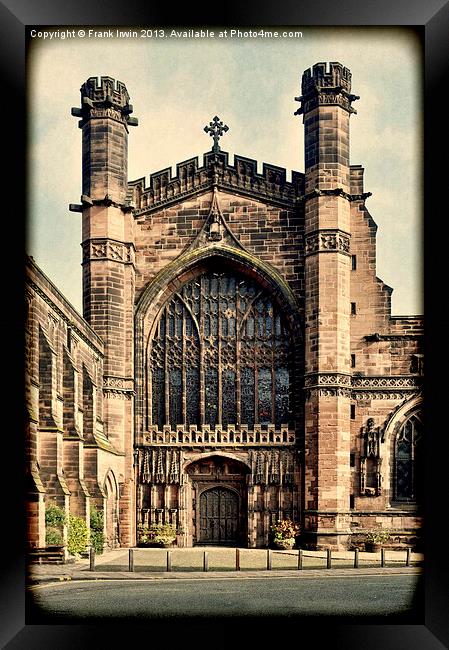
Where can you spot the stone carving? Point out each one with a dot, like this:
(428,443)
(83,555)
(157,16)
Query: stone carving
(327,242)
(335,391)
(116,393)
(372,437)
(106,112)
(106,249)
(377,394)
(327,379)
(275,467)
(116,251)
(385,382)
(370,459)
(159,466)
(113,382)
(312,244)
(215,229)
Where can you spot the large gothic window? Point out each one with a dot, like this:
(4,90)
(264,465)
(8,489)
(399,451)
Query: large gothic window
(220,355)
(407,461)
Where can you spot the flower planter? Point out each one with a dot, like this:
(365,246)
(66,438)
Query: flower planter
(285,544)
(373,547)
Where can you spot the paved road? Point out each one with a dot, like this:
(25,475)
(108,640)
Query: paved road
(385,596)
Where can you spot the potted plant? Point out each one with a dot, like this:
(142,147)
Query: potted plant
(156,535)
(283,534)
(375,539)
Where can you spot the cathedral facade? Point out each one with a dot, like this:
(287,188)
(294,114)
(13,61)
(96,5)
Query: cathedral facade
(237,361)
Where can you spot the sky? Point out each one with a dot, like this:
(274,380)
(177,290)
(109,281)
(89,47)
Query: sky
(178,84)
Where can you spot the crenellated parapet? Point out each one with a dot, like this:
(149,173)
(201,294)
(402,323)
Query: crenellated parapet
(106,98)
(326,84)
(216,171)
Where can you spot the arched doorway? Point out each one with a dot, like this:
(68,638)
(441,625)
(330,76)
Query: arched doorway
(218,501)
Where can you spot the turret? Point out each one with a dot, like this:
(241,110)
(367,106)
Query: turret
(108,261)
(105,117)
(326,105)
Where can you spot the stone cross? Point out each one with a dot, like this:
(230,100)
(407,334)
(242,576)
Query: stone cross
(216,129)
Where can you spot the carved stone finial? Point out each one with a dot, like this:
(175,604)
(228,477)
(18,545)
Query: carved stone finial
(216,128)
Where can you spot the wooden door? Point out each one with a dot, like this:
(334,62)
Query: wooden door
(219,514)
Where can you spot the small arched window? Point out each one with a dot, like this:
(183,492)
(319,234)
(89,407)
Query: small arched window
(220,355)
(407,461)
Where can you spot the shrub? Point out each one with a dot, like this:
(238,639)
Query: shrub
(156,534)
(54,516)
(53,537)
(377,536)
(54,521)
(284,529)
(78,535)
(96,530)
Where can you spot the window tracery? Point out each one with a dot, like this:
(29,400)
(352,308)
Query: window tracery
(220,355)
(407,460)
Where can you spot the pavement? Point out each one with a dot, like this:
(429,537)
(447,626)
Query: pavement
(188,563)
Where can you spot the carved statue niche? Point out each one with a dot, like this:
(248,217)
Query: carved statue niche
(370,460)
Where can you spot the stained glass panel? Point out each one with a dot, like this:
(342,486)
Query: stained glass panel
(193,395)
(175,390)
(236,325)
(264,395)
(211,396)
(247,396)
(407,461)
(229,407)
(158,396)
(281,396)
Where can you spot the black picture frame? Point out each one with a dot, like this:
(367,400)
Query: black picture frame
(432,17)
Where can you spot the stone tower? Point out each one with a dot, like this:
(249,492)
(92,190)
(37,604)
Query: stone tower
(326,107)
(108,266)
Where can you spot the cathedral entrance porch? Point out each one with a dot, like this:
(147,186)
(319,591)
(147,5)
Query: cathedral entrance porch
(218,499)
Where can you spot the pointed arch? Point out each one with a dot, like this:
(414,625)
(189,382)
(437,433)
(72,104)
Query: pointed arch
(111,491)
(169,282)
(214,454)
(403,436)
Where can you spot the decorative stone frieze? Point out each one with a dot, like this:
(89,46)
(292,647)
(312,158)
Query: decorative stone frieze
(108,249)
(327,241)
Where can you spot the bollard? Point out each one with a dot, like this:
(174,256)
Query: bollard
(407,557)
(356,558)
(131,560)
(300,559)
(237,559)
(382,557)
(206,561)
(92,559)
(329,558)
(168,560)
(269,560)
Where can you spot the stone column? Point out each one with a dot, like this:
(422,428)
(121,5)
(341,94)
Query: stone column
(326,107)
(108,264)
